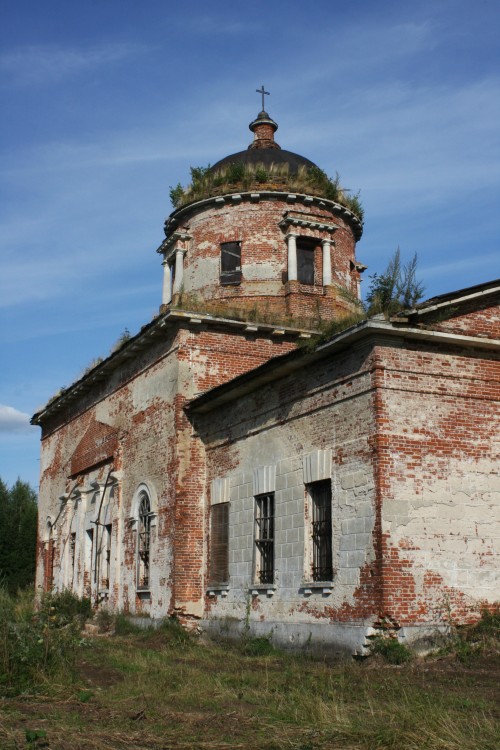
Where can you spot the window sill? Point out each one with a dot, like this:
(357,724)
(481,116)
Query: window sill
(220,589)
(263,588)
(310,587)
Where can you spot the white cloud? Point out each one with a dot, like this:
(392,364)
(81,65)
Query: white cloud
(48,64)
(12,420)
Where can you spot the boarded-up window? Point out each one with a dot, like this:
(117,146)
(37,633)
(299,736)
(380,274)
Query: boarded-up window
(305,262)
(230,262)
(219,543)
(49,565)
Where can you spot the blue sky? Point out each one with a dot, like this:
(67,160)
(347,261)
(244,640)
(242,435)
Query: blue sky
(105,105)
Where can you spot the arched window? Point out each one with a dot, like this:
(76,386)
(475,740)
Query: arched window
(143,541)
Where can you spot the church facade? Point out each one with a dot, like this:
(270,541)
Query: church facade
(223,468)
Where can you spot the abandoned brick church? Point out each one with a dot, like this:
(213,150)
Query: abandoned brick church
(215,468)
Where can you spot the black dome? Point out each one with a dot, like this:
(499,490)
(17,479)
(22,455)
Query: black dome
(266,156)
(264,149)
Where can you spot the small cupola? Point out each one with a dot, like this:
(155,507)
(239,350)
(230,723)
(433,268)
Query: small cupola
(263,129)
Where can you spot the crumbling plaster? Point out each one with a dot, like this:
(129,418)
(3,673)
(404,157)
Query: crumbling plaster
(279,425)
(264,248)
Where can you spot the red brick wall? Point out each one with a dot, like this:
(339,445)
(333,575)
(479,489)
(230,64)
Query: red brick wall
(206,359)
(425,423)
(437,467)
(264,256)
(139,412)
(325,406)
(475,318)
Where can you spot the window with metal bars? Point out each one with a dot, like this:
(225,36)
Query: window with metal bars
(143,542)
(230,262)
(264,538)
(321,506)
(219,544)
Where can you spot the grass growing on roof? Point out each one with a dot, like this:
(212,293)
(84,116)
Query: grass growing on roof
(206,183)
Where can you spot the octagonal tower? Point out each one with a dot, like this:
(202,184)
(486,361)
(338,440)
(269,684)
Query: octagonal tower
(263,233)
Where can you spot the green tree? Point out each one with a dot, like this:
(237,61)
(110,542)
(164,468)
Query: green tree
(18,526)
(397,288)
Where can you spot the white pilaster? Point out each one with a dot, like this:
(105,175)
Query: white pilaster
(179,270)
(166,297)
(292,257)
(327,263)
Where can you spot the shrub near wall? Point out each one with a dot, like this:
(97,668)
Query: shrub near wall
(35,646)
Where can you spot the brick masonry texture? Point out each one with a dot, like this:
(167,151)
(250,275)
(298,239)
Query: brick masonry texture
(415,484)
(264,260)
(137,426)
(413,432)
(403,417)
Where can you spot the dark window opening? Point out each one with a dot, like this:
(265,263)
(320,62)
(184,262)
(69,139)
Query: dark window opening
(219,543)
(144,541)
(305,262)
(230,262)
(72,553)
(89,562)
(264,538)
(321,501)
(107,561)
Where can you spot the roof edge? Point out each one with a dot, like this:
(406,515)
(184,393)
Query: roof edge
(293,361)
(449,299)
(289,195)
(143,339)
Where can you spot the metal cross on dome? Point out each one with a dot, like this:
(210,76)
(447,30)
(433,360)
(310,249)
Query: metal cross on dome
(264,93)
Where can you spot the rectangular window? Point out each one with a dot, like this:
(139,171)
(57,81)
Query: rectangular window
(107,561)
(49,565)
(219,543)
(264,538)
(72,556)
(230,263)
(89,562)
(305,262)
(321,506)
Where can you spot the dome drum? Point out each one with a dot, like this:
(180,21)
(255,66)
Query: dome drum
(259,234)
(264,233)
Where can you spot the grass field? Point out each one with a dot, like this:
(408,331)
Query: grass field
(161,689)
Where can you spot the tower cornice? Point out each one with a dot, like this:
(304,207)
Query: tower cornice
(233,198)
